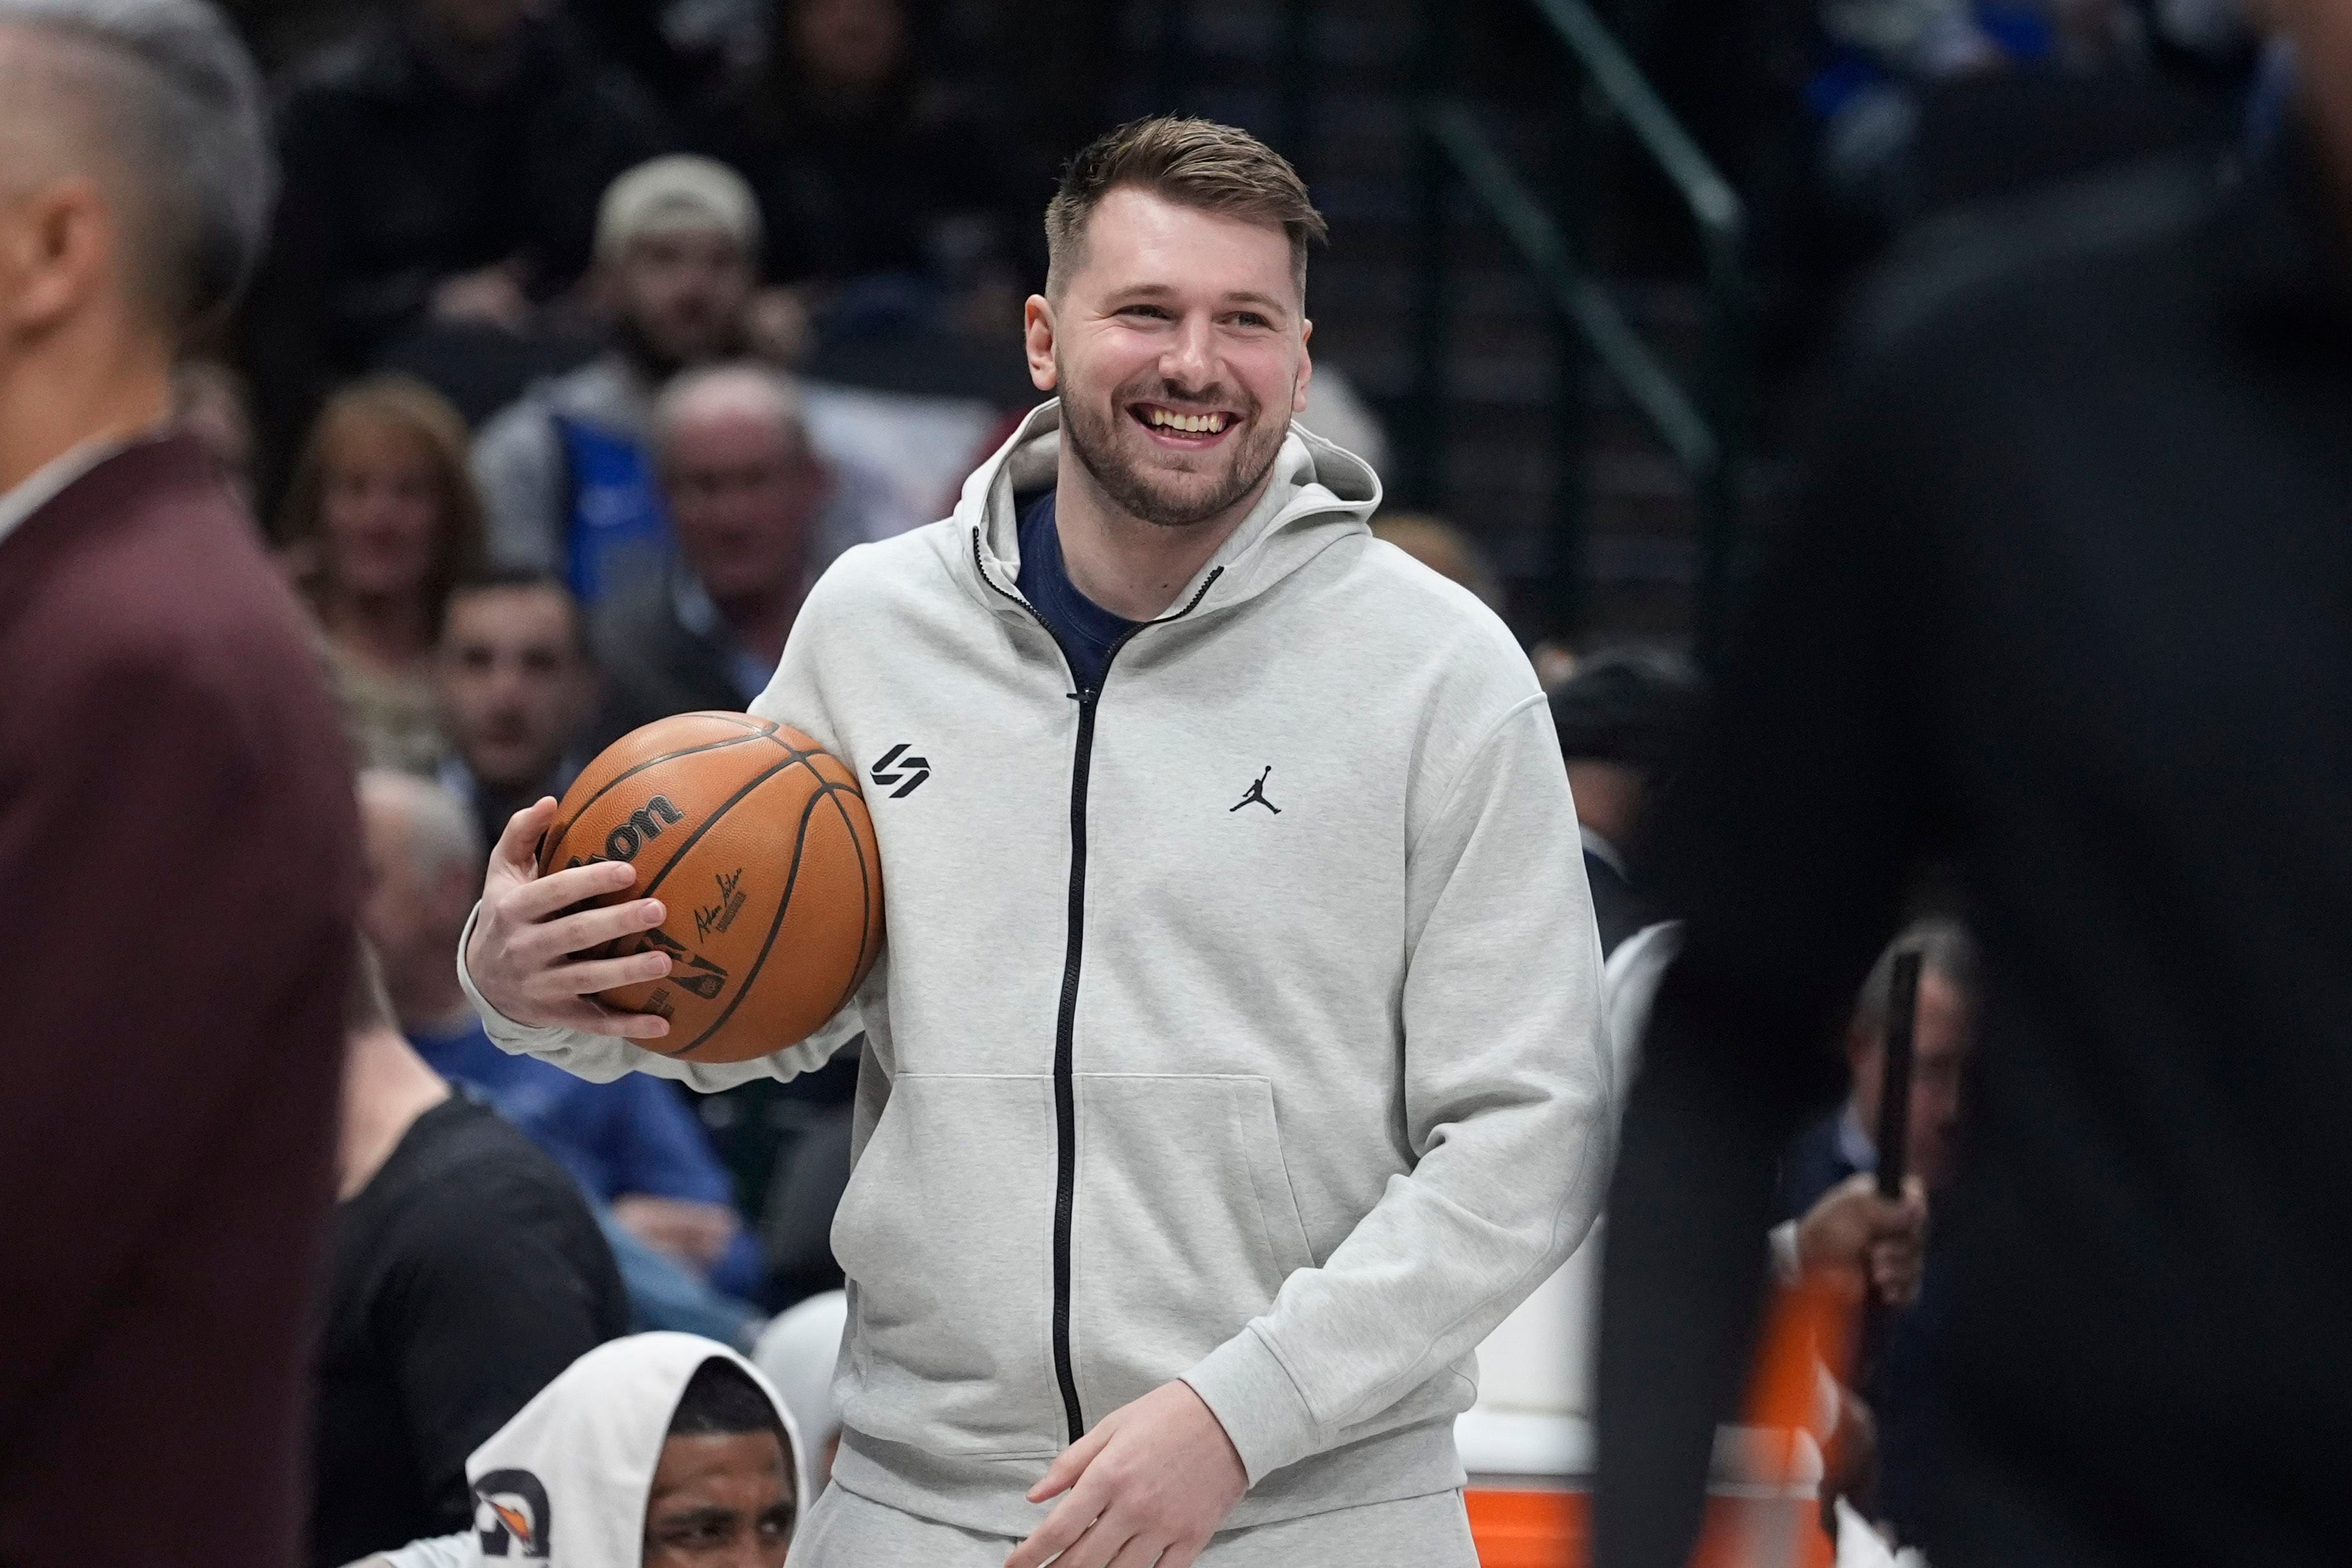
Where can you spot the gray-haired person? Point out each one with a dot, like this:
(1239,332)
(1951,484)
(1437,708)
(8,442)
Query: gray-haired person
(177,836)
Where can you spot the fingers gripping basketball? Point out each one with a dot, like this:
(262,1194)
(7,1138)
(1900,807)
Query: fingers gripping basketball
(757,846)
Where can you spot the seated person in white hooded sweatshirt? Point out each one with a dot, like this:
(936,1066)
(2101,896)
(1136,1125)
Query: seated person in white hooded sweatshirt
(661,1450)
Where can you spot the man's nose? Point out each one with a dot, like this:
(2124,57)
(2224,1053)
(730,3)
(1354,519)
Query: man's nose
(1189,363)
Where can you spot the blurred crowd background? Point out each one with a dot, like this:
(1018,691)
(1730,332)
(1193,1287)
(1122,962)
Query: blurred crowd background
(592,329)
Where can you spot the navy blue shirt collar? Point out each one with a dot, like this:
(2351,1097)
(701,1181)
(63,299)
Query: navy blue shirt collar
(1086,630)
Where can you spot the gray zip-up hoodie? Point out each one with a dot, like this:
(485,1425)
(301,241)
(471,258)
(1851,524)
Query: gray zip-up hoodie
(1236,1022)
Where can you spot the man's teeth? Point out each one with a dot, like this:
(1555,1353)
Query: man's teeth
(1191,423)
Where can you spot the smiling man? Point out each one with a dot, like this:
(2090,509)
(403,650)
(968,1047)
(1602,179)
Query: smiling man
(1232,1064)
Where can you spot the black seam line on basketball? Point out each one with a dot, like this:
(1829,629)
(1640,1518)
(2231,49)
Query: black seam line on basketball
(793,754)
(775,925)
(827,787)
(798,756)
(557,834)
(866,903)
(710,822)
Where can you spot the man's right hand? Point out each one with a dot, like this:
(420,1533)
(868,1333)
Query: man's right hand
(521,956)
(1852,1234)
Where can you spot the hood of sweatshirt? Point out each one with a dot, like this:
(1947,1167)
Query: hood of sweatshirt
(1317,495)
(567,1479)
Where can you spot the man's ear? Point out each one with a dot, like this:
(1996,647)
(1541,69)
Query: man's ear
(1037,333)
(1305,368)
(56,245)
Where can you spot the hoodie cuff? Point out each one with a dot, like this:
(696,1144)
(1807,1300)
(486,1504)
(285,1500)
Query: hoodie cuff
(1252,1396)
(514,1039)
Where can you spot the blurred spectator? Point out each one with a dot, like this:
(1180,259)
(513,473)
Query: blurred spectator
(1443,549)
(680,51)
(442,169)
(176,834)
(632,1145)
(570,483)
(381,522)
(466,1274)
(865,170)
(1931,106)
(1622,718)
(569,486)
(517,680)
(661,1450)
(744,492)
(806,1186)
(1837,1156)
(2058,605)
(800,1352)
(213,404)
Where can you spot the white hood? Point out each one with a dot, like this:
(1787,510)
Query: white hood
(566,1479)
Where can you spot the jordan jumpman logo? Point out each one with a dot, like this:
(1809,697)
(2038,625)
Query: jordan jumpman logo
(1257,795)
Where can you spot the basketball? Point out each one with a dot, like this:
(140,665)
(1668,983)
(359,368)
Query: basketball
(757,842)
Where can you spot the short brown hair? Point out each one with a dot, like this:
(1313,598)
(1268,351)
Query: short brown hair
(1192,162)
(408,405)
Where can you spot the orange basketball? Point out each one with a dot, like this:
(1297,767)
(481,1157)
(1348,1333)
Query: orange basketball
(757,842)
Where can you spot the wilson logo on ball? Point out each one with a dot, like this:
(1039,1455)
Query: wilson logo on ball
(644,825)
(755,841)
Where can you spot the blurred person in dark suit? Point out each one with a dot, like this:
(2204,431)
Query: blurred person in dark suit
(744,492)
(516,679)
(1623,718)
(442,171)
(176,831)
(2062,607)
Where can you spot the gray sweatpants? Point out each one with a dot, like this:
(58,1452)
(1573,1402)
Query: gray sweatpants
(845,1530)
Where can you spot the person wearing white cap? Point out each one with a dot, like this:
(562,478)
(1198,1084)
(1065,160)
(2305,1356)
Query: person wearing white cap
(562,470)
(566,471)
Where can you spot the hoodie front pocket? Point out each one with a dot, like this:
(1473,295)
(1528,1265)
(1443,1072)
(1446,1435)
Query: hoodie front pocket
(945,1235)
(1184,1227)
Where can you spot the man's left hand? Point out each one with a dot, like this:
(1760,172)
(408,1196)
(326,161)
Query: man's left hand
(1149,1484)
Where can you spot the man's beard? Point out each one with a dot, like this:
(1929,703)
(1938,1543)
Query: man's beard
(640,349)
(1092,430)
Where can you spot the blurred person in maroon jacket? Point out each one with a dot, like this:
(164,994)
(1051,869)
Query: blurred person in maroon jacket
(177,838)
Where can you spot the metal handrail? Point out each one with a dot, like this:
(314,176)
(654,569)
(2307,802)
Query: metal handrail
(1702,429)
(1642,371)
(1721,216)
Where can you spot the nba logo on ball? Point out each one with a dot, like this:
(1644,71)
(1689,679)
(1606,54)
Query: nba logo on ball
(757,842)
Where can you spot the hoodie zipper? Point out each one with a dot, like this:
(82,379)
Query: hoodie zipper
(1065,1113)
